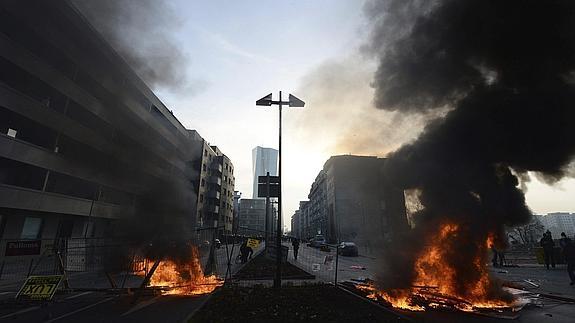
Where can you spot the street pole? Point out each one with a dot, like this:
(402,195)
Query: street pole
(292,102)
(267,221)
(278,278)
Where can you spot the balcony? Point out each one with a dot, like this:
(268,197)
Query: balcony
(215,180)
(212,209)
(217,167)
(212,194)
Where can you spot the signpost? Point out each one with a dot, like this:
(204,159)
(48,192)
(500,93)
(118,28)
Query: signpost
(39,288)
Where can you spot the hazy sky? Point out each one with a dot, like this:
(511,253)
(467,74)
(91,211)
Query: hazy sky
(242,50)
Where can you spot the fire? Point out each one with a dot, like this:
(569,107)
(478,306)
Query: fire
(184,278)
(435,281)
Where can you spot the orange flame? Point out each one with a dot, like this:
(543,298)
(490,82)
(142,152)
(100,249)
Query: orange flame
(184,278)
(433,271)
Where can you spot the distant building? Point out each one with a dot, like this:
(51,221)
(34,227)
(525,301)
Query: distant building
(214,183)
(559,222)
(350,200)
(251,217)
(295,224)
(263,160)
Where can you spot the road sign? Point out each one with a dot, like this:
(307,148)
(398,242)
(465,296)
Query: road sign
(273,179)
(274,186)
(39,288)
(274,190)
(253,243)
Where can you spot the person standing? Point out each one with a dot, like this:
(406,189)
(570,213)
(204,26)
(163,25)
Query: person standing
(547,243)
(295,245)
(568,249)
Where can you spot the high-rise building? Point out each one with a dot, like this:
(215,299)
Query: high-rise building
(264,160)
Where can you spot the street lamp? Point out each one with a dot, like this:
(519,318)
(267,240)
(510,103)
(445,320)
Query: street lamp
(292,102)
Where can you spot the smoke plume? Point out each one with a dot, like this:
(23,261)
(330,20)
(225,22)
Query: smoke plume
(504,72)
(142,32)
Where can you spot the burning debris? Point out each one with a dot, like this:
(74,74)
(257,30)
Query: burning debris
(182,277)
(497,76)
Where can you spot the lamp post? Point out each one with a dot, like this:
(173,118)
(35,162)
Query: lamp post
(292,102)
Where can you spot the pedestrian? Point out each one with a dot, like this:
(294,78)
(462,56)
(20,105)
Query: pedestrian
(547,243)
(245,252)
(295,245)
(494,258)
(568,249)
(563,240)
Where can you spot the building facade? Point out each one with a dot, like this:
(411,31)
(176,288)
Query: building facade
(264,160)
(251,217)
(84,142)
(214,185)
(351,200)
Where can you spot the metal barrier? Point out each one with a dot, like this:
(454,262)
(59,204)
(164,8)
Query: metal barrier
(320,261)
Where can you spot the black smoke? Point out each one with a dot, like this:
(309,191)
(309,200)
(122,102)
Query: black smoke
(501,74)
(142,32)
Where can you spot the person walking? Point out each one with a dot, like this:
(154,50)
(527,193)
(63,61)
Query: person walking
(245,252)
(295,245)
(568,249)
(547,243)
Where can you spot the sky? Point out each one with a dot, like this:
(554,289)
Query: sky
(239,51)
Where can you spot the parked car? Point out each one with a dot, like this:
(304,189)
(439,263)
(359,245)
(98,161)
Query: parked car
(317,242)
(347,249)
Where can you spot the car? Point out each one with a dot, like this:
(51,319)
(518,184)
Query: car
(347,249)
(318,241)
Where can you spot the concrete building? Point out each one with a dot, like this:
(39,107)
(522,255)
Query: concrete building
(251,217)
(82,137)
(263,160)
(558,222)
(295,224)
(214,184)
(350,200)
(316,221)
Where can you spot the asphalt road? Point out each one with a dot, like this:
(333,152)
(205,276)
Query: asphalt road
(318,263)
(100,307)
(89,303)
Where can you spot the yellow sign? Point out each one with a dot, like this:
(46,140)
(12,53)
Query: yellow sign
(253,243)
(39,288)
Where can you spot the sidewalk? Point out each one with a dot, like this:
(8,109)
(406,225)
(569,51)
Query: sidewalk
(552,281)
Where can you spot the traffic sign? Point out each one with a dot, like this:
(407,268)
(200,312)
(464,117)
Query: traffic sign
(39,288)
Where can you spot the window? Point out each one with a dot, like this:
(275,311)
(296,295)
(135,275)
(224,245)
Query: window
(205,152)
(201,197)
(31,228)
(204,167)
(203,182)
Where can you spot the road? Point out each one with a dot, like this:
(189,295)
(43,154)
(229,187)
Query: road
(322,264)
(90,303)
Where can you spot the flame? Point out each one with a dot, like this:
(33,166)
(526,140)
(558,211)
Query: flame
(437,278)
(184,278)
